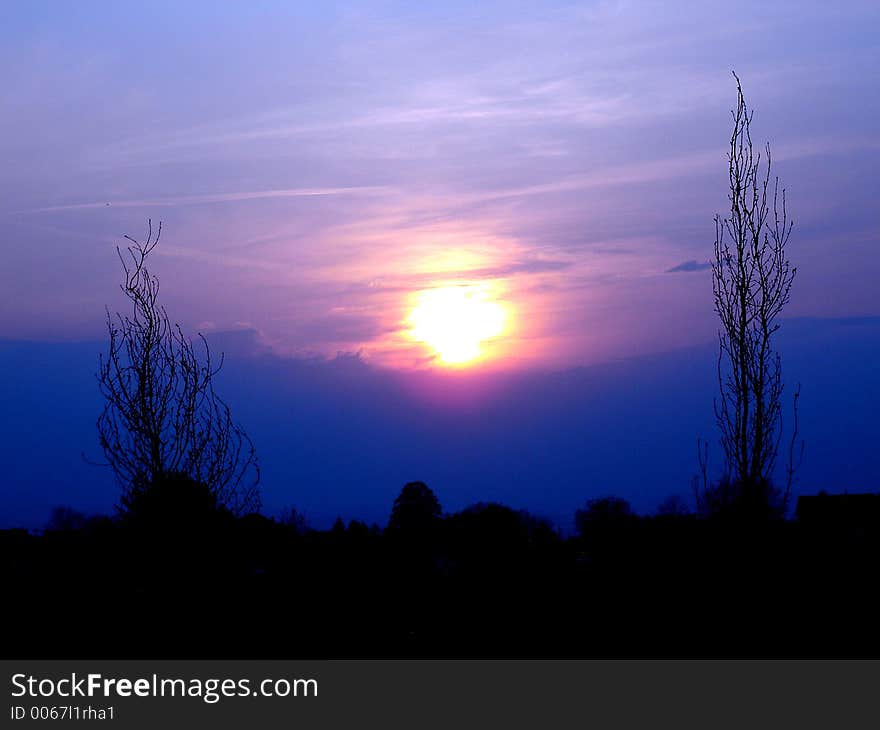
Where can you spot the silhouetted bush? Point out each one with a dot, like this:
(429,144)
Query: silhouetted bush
(495,528)
(745,502)
(603,513)
(65,519)
(175,502)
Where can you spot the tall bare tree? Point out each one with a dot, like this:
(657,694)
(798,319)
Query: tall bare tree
(161,416)
(751,280)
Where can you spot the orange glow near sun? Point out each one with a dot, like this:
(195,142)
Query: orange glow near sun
(456,322)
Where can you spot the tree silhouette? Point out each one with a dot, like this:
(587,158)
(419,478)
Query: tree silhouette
(601,513)
(751,283)
(161,415)
(293,518)
(491,530)
(673,506)
(66,519)
(415,510)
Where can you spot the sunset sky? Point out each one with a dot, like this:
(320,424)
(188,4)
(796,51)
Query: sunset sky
(316,165)
(321,168)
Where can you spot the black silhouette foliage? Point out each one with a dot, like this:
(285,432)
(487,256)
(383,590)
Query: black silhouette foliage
(174,502)
(416,510)
(179,574)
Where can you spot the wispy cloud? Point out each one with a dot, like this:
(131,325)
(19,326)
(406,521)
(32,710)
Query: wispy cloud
(180,200)
(689,266)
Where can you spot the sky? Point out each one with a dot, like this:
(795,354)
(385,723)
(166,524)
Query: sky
(340,438)
(321,168)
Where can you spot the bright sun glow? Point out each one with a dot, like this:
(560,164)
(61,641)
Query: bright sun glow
(455,321)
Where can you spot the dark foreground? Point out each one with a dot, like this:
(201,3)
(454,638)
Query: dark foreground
(487,582)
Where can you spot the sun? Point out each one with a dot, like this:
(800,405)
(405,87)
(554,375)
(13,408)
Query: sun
(455,322)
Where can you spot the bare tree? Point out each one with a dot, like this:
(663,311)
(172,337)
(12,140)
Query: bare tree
(161,416)
(751,280)
(292,517)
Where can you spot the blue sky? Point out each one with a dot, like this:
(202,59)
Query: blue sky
(340,438)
